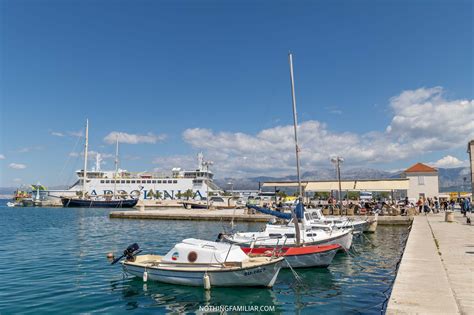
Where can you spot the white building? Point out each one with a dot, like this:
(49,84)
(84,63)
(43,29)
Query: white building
(423,181)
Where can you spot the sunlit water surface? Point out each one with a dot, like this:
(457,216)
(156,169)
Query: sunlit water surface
(53,260)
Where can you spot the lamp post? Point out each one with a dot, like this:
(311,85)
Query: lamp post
(206,165)
(231,184)
(337,161)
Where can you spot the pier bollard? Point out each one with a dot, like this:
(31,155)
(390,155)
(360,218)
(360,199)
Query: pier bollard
(325,211)
(350,211)
(449,216)
(335,211)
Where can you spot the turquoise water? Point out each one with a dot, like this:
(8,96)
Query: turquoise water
(53,260)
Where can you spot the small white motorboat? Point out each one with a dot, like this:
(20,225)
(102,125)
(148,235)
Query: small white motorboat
(12,204)
(358,225)
(196,262)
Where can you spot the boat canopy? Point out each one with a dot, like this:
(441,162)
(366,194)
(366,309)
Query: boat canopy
(198,251)
(287,216)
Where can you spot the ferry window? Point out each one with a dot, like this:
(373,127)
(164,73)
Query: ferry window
(153,181)
(128,182)
(148,181)
(101,181)
(159,181)
(122,182)
(175,181)
(133,181)
(170,181)
(107,181)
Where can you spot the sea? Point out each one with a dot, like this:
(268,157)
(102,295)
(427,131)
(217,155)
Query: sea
(53,261)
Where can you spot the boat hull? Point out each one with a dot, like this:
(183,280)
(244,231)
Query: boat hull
(84,203)
(300,257)
(343,239)
(258,276)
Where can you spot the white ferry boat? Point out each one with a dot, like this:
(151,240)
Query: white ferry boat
(176,184)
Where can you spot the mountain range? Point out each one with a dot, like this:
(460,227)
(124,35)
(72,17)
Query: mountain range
(450,179)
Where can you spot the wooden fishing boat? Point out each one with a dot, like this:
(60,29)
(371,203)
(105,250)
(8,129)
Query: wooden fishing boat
(196,262)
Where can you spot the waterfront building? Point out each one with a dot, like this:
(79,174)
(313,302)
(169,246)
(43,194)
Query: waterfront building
(424,181)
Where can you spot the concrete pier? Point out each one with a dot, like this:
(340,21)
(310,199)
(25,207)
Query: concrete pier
(192,214)
(436,274)
(223,215)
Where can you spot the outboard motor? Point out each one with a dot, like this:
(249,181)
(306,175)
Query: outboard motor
(129,253)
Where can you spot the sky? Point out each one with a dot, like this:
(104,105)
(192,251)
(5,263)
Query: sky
(384,84)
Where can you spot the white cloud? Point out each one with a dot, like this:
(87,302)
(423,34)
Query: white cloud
(2,157)
(423,121)
(79,133)
(449,161)
(124,137)
(17,166)
(91,155)
(57,134)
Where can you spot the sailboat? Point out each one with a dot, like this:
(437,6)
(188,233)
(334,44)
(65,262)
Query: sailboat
(299,234)
(85,201)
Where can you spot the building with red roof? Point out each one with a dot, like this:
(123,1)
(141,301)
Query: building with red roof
(424,182)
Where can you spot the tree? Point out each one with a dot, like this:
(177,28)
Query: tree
(178,195)
(188,194)
(158,195)
(321,195)
(281,194)
(353,195)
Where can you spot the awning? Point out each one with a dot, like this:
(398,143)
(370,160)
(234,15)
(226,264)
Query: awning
(283,184)
(360,185)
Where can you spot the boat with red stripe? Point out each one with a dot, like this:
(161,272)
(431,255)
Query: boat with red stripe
(298,257)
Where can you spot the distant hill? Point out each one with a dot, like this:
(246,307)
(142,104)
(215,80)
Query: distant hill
(451,179)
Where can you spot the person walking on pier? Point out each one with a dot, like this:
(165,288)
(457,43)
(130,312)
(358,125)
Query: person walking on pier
(436,204)
(466,206)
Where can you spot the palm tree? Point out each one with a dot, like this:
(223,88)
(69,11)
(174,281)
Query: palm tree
(158,195)
(188,194)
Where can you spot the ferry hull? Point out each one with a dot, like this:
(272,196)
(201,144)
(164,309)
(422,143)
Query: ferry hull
(84,203)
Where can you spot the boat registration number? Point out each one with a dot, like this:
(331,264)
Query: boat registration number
(252,272)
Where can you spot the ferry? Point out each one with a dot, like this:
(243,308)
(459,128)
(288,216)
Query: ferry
(176,184)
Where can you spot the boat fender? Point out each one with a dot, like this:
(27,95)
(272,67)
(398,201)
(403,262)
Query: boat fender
(145,276)
(206,281)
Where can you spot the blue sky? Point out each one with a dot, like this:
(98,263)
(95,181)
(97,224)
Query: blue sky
(385,83)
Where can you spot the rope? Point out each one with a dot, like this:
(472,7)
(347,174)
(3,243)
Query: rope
(295,274)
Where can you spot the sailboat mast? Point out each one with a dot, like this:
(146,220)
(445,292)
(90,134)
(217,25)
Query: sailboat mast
(295,122)
(116,166)
(295,126)
(86,146)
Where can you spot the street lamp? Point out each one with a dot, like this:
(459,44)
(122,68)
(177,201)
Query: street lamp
(231,184)
(206,165)
(337,161)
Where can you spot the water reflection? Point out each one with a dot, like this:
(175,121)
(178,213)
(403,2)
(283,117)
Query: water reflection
(60,255)
(175,298)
